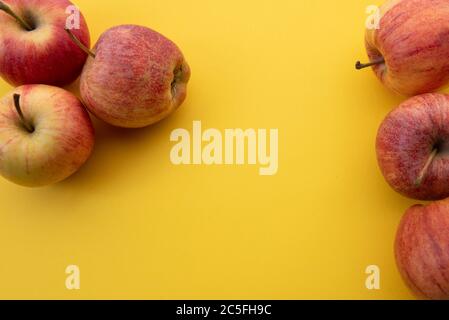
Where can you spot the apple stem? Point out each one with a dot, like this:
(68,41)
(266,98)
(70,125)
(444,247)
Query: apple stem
(22,22)
(424,170)
(27,126)
(80,44)
(360,65)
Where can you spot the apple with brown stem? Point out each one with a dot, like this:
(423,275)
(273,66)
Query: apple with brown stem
(413,147)
(409,52)
(34,48)
(134,77)
(45,135)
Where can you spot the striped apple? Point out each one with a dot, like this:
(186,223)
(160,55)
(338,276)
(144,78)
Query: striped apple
(409,52)
(45,135)
(422,250)
(34,46)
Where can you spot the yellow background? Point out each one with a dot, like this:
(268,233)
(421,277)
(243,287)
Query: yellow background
(140,227)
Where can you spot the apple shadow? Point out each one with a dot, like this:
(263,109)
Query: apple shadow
(99,170)
(109,141)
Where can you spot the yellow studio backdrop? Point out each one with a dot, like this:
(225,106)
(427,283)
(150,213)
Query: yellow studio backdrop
(140,227)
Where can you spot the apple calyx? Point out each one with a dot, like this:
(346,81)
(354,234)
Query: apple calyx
(79,43)
(177,77)
(423,172)
(21,21)
(25,124)
(360,65)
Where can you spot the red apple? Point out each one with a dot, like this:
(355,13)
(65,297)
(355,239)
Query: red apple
(413,147)
(422,250)
(45,135)
(34,47)
(134,78)
(410,51)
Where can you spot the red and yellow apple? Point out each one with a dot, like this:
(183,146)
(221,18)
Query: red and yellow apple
(413,147)
(134,78)
(409,52)
(45,135)
(34,47)
(422,250)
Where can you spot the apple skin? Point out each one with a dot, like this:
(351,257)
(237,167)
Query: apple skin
(45,55)
(414,41)
(405,142)
(137,78)
(422,250)
(61,143)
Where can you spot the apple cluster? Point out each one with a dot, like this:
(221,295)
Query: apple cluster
(132,78)
(409,53)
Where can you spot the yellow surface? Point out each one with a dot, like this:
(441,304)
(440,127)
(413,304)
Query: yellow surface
(140,227)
